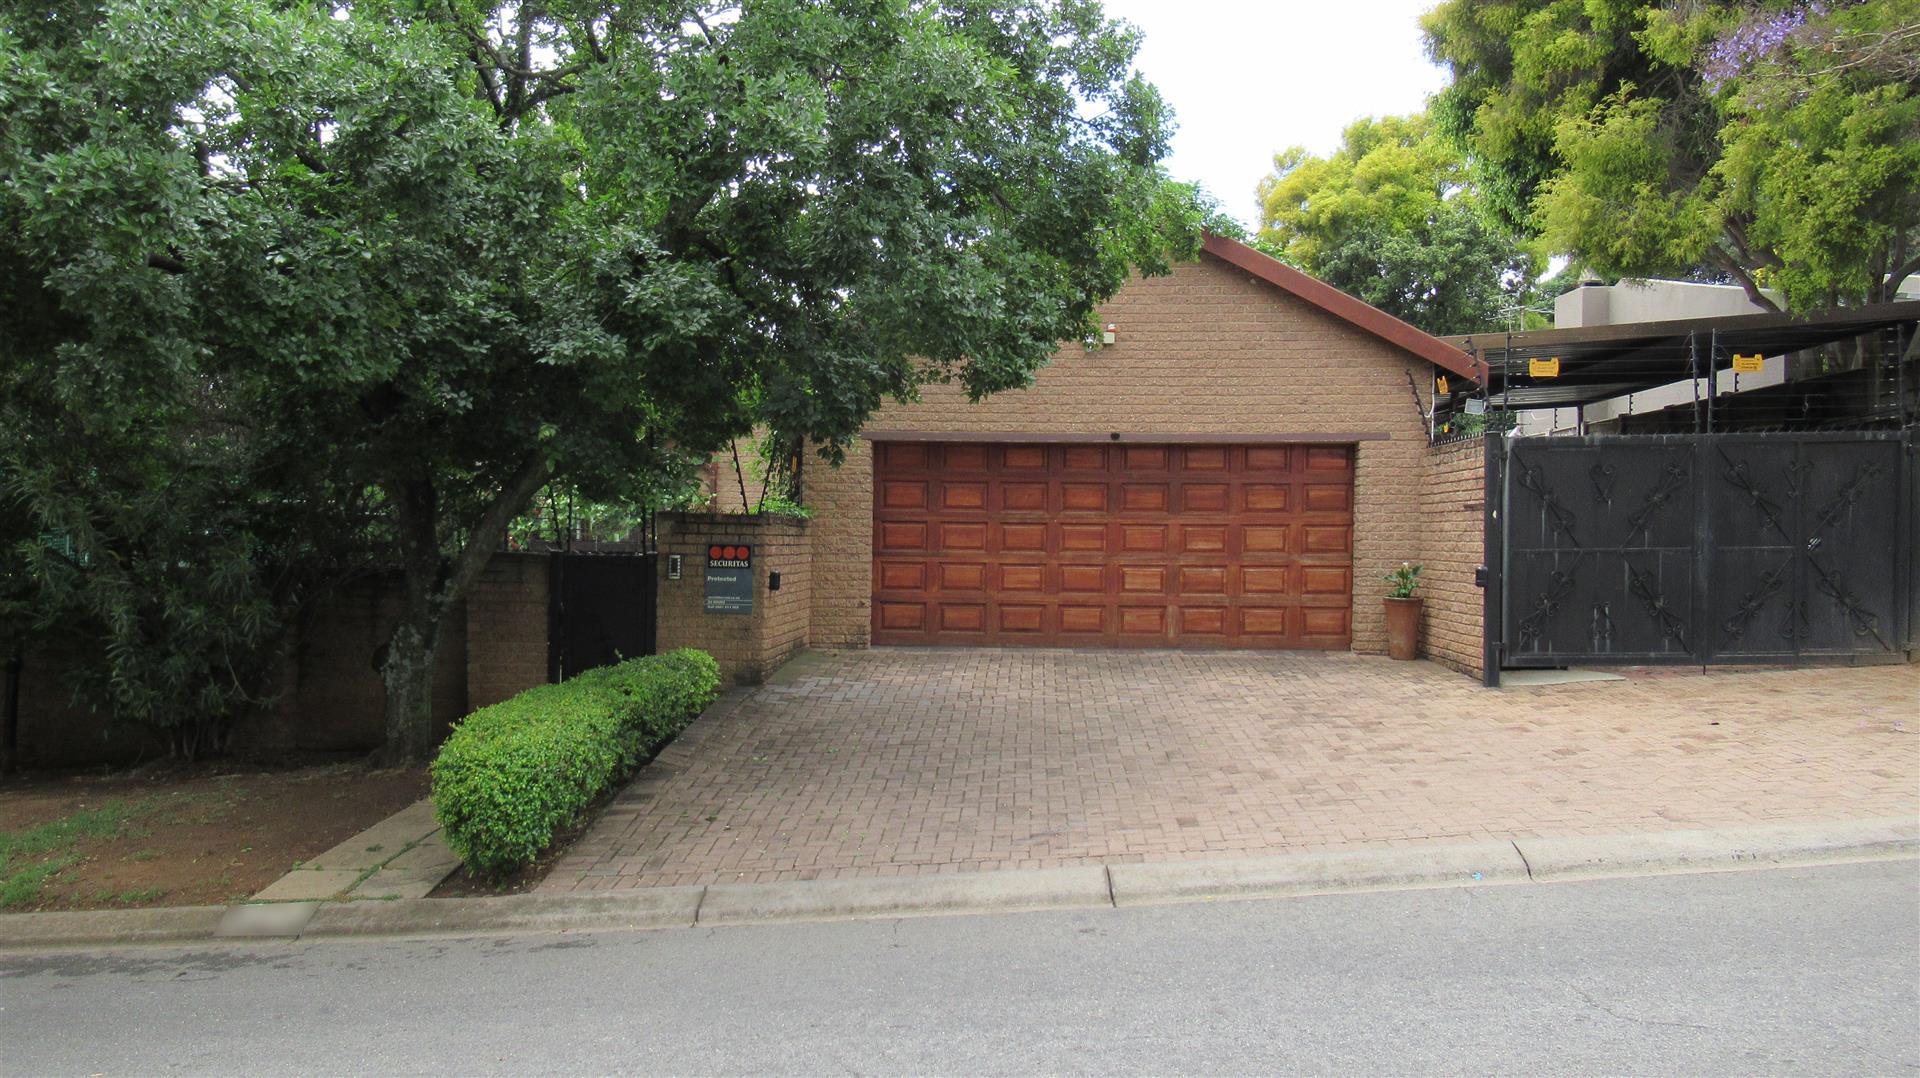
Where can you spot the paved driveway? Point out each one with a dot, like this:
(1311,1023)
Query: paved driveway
(902,762)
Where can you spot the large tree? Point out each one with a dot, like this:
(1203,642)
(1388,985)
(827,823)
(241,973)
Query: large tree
(1392,217)
(458,251)
(1772,144)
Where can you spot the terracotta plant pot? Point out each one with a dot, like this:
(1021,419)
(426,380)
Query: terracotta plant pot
(1403,628)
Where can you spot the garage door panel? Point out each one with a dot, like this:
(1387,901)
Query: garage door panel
(963,535)
(1023,538)
(1325,539)
(1023,497)
(1266,497)
(1202,580)
(903,456)
(1143,621)
(962,576)
(1021,618)
(963,458)
(963,495)
(1266,539)
(1023,578)
(1083,579)
(1268,458)
(1204,458)
(1083,619)
(1083,497)
(901,576)
(1203,538)
(1204,497)
(1137,545)
(901,535)
(1327,497)
(963,617)
(1083,537)
(1084,458)
(906,617)
(1143,580)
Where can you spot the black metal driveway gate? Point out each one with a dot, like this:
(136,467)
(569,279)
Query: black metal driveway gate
(1701,548)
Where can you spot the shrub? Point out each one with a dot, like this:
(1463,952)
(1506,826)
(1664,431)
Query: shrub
(512,775)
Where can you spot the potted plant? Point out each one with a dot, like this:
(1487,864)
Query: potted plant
(1403,612)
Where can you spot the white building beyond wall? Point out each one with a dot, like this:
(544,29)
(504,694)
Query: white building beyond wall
(1638,300)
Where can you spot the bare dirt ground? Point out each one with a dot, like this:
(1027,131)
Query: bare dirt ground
(180,835)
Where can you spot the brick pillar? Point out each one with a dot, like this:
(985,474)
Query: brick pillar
(748,646)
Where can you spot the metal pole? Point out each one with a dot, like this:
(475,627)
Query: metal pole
(1693,361)
(1713,374)
(1506,375)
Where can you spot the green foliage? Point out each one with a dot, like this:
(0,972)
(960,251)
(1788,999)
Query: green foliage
(1392,219)
(455,253)
(1772,144)
(31,857)
(1402,581)
(512,775)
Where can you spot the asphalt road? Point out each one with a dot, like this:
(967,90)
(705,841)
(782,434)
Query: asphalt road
(1812,970)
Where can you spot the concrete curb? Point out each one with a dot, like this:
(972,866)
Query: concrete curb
(1310,873)
(24,931)
(1085,887)
(1733,847)
(648,907)
(906,896)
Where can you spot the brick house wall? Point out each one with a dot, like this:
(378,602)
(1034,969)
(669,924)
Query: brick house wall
(747,646)
(1453,504)
(1209,349)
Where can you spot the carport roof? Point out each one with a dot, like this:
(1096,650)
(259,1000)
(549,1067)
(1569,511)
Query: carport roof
(1601,362)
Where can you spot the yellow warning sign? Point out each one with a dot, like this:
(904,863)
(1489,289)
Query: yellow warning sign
(1544,368)
(1749,364)
(1440,384)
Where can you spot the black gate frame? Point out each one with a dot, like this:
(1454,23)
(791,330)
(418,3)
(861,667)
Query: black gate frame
(1707,564)
(579,633)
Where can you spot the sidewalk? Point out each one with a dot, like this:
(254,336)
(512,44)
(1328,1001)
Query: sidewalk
(1517,862)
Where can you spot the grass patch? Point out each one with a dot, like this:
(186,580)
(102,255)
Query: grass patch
(29,858)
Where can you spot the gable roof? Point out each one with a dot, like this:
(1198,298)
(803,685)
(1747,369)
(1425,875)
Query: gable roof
(1342,306)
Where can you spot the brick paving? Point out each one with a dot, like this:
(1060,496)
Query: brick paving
(902,762)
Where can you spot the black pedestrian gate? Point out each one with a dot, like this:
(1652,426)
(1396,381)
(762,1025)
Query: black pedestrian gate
(1701,548)
(601,609)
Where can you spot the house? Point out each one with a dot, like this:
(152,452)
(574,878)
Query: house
(1240,467)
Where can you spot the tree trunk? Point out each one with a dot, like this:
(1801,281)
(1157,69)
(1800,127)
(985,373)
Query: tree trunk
(407,671)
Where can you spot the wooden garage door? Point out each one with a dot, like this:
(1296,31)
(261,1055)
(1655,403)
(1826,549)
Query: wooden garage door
(1128,545)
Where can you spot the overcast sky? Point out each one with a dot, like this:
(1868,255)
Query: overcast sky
(1248,78)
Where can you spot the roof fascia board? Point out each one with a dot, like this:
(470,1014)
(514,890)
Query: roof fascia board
(1337,303)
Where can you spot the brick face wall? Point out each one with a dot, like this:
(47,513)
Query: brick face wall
(1208,349)
(1453,504)
(507,628)
(747,646)
(330,696)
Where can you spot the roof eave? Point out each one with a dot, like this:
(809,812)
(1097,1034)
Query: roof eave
(1342,306)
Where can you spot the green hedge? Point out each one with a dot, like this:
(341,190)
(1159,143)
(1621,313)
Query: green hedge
(511,775)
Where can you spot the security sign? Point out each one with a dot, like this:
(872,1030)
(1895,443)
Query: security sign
(729,556)
(1749,364)
(1544,368)
(729,578)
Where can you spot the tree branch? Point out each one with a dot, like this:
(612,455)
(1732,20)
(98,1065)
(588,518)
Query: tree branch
(1741,274)
(478,547)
